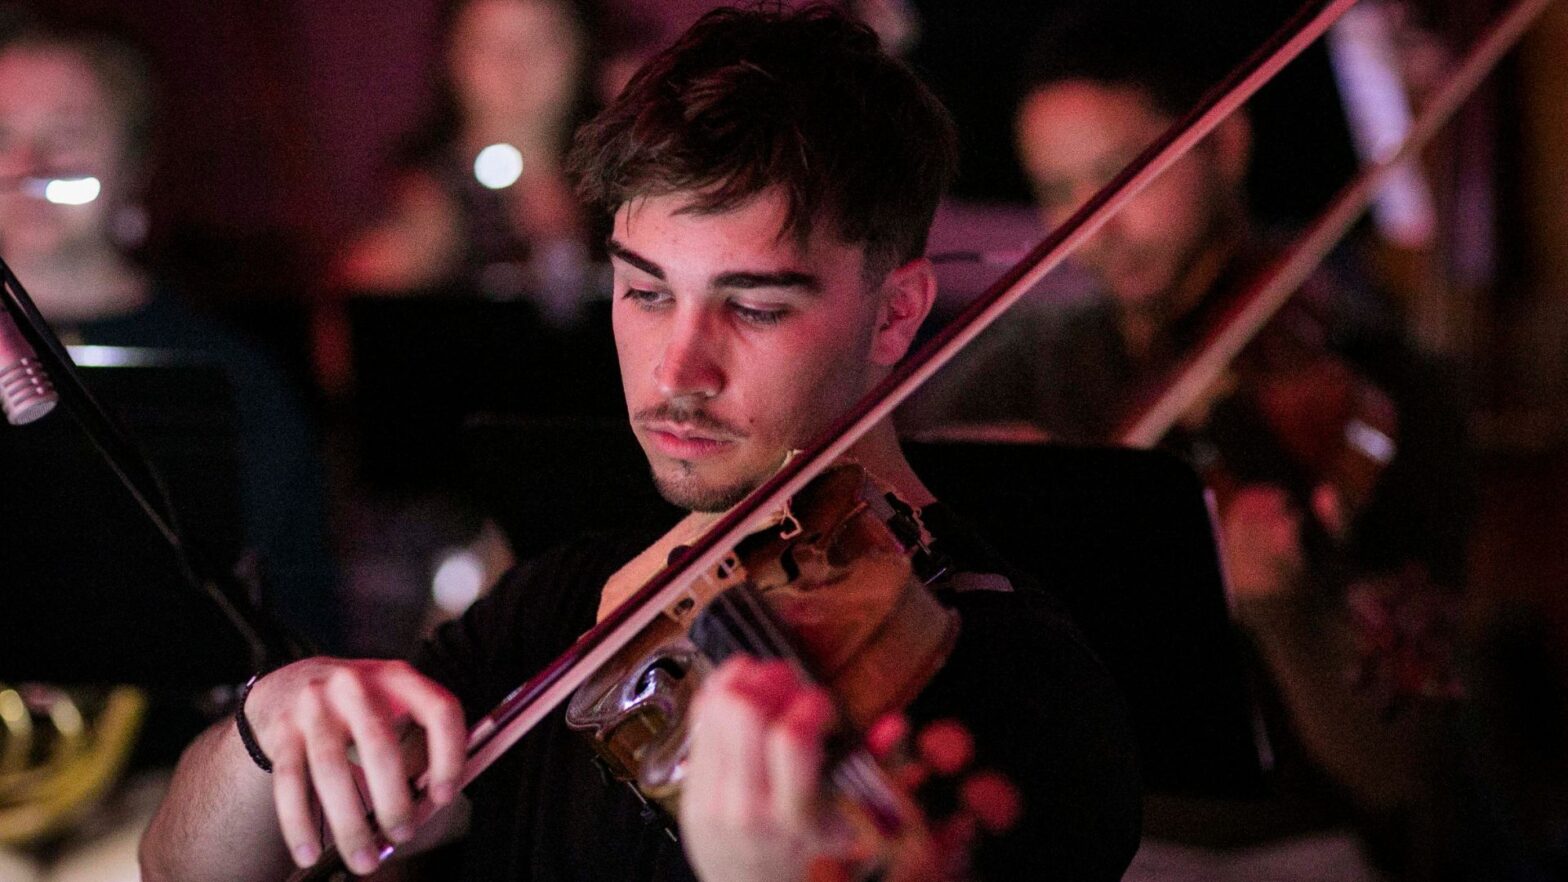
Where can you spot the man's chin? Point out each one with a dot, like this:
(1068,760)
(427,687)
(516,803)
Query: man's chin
(1134,293)
(694,494)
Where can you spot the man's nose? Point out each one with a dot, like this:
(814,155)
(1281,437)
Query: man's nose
(689,365)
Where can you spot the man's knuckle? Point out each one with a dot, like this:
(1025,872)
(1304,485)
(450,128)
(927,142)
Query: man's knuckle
(310,707)
(345,684)
(284,722)
(288,765)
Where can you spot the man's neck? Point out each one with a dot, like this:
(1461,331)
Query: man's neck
(1145,329)
(880,454)
(83,287)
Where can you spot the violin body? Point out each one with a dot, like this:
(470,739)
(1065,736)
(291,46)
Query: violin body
(1291,411)
(833,574)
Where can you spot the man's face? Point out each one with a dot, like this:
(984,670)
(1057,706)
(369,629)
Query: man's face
(1075,136)
(736,344)
(56,121)
(514,61)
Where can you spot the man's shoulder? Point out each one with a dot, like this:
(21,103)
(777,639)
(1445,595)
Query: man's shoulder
(1013,619)
(573,567)
(531,615)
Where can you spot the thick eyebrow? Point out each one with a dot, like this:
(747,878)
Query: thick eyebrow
(741,279)
(803,282)
(620,251)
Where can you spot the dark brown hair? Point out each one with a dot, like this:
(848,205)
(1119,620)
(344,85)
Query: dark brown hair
(1149,48)
(806,101)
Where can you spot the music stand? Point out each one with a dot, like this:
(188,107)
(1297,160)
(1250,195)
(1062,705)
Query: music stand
(423,365)
(1125,539)
(93,593)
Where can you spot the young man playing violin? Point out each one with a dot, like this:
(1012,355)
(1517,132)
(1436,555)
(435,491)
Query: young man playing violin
(771,178)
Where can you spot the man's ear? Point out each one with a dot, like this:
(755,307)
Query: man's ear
(904,301)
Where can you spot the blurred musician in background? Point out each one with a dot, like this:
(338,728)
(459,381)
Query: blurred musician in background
(1343,602)
(76,133)
(479,203)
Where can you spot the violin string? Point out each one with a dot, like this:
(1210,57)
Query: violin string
(778,643)
(855,775)
(746,635)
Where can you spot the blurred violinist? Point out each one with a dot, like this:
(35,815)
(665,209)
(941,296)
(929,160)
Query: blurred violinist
(772,178)
(1343,589)
(479,201)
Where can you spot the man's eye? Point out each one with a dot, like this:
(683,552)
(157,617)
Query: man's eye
(755,316)
(644,299)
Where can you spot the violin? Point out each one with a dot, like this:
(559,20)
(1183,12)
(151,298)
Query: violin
(835,585)
(1272,289)
(1335,423)
(1291,411)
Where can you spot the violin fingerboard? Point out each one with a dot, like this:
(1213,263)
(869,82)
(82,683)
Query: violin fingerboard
(737,621)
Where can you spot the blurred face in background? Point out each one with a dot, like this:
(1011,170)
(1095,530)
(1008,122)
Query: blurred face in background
(57,121)
(1075,135)
(515,60)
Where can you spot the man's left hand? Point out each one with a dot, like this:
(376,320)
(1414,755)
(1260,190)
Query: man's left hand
(751,804)
(1261,538)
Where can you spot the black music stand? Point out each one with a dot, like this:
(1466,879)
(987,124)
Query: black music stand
(423,365)
(92,592)
(1123,537)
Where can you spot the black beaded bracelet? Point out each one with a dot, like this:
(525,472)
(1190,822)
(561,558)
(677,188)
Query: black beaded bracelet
(247,734)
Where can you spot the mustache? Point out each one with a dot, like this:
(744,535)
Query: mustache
(686,415)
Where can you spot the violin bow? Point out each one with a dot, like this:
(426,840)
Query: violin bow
(528,705)
(1274,286)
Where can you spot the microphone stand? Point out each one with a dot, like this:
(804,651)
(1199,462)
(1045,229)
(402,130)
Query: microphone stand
(268,646)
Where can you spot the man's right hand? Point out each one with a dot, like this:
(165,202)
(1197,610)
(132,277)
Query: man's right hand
(307,715)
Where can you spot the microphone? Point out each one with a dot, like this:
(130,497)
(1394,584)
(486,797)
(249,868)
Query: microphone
(25,391)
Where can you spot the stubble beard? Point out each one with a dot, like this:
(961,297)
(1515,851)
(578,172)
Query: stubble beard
(685,491)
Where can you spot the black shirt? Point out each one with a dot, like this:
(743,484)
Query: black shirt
(1041,708)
